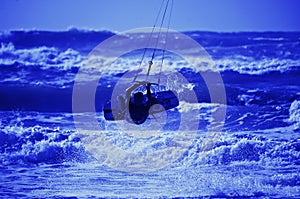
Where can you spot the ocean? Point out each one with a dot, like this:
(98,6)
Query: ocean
(256,153)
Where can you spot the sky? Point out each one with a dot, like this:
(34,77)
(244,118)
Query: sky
(122,15)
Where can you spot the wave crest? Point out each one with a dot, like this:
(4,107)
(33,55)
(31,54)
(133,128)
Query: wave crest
(294,113)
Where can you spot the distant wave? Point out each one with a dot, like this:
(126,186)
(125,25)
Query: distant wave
(79,40)
(44,64)
(245,52)
(56,55)
(43,56)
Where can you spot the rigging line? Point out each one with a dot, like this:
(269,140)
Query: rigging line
(164,49)
(158,37)
(159,33)
(149,39)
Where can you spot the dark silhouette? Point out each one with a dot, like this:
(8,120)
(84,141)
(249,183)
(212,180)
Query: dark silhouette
(139,106)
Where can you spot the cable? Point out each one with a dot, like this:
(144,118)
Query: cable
(149,39)
(164,49)
(159,33)
(158,38)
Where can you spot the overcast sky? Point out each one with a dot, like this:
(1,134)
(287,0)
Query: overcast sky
(121,15)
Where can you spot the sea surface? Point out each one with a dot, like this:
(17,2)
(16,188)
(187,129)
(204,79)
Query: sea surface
(256,155)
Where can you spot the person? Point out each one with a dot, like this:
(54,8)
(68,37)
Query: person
(139,107)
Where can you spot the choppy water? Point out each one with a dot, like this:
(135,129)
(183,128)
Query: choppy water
(256,155)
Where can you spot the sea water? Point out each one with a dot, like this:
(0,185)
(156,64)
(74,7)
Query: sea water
(256,155)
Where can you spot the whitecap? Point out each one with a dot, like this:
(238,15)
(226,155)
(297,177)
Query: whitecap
(294,113)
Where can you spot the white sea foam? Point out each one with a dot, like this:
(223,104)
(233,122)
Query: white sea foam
(47,57)
(43,56)
(248,65)
(295,114)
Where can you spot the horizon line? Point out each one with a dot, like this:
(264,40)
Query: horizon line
(118,31)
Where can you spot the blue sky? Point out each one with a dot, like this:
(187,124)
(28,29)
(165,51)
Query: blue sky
(121,15)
